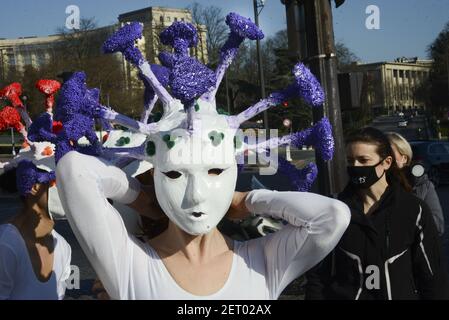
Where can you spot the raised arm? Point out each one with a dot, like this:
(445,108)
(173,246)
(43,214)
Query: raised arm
(316,224)
(85,184)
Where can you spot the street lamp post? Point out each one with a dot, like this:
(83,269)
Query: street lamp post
(447,61)
(311,39)
(260,4)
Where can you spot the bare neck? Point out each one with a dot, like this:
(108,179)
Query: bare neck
(34,223)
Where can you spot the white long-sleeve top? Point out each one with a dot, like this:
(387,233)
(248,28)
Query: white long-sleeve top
(130,269)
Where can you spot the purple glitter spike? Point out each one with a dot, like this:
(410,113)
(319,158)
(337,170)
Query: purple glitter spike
(47,136)
(301,179)
(326,144)
(162,74)
(241,28)
(43,123)
(181,36)
(309,87)
(28,175)
(124,41)
(305,86)
(94,94)
(319,136)
(63,147)
(71,93)
(167,59)
(91,150)
(90,101)
(190,79)
(77,109)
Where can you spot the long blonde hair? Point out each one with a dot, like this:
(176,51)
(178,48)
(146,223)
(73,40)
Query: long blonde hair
(401,145)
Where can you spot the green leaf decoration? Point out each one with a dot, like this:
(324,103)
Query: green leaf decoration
(151,148)
(222,111)
(123,141)
(170,144)
(216,137)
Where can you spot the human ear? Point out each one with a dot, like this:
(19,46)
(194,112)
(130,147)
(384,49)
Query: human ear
(35,189)
(387,162)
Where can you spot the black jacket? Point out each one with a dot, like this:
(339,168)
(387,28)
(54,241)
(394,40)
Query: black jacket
(394,253)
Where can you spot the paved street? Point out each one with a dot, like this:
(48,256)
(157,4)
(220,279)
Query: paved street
(410,127)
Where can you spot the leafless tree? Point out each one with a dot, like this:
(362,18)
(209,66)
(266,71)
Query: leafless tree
(213,19)
(345,57)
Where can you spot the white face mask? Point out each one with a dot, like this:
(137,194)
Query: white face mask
(187,185)
(55,209)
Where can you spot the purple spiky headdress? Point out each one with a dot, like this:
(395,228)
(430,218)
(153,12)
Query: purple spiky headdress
(193,88)
(28,175)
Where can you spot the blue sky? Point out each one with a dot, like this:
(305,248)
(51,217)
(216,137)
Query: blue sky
(407,27)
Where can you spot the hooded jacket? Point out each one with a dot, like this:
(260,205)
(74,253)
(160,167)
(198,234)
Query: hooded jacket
(393,253)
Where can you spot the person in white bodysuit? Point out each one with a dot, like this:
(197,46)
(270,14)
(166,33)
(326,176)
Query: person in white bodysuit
(257,269)
(193,149)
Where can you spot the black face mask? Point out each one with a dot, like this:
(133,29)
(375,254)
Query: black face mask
(365,176)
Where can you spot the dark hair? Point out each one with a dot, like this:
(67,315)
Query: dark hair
(8,181)
(370,135)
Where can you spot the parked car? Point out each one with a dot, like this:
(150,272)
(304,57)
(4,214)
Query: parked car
(434,156)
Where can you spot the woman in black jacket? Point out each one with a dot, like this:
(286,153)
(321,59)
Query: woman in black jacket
(423,188)
(391,249)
